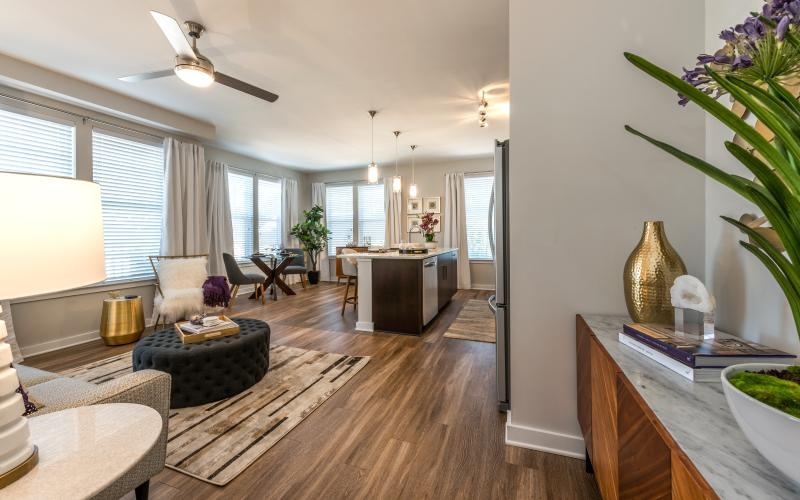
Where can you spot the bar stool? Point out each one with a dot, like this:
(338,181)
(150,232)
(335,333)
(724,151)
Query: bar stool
(350,271)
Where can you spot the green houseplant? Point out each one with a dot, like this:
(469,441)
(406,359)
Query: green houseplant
(313,237)
(759,68)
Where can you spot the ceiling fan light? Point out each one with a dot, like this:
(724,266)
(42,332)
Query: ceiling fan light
(372,173)
(412,191)
(194,76)
(397,184)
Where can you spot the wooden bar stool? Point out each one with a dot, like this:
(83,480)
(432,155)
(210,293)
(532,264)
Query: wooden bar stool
(350,271)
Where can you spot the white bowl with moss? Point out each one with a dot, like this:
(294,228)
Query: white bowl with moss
(774,428)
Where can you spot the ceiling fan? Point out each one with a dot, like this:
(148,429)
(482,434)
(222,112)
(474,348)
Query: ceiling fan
(190,66)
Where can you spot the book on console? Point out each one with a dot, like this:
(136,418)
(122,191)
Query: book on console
(693,374)
(697,352)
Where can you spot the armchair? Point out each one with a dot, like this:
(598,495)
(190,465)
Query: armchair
(179,285)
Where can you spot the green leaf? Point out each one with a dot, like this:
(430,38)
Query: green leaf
(787,233)
(786,267)
(723,114)
(783,281)
(733,182)
(784,95)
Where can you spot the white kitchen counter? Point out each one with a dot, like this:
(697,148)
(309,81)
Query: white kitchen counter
(397,255)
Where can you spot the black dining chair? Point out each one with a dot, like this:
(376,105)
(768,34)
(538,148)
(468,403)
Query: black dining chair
(237,278)
(297,265)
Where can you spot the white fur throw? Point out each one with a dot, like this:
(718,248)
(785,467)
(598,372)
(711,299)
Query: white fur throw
(181,282)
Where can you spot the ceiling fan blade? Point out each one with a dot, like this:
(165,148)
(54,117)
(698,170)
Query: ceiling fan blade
(172,30)
(241,86)
(147,76)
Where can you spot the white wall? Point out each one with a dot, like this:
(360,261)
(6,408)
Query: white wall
(750,303)
(430,182)
(581,186)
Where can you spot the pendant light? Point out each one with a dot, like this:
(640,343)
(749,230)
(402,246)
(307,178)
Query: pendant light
(412,189)
(482,111)
(372,169)
(397,184)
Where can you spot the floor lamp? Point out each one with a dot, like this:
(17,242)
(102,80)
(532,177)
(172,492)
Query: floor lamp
(51,230)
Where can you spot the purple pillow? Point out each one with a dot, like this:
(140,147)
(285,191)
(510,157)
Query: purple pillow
(30,407)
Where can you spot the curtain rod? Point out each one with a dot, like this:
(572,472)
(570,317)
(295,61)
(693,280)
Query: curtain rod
(78,115)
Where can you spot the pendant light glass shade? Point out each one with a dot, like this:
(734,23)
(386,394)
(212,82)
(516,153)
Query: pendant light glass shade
(397,183)
(372,169)
(412,189)
(372,173)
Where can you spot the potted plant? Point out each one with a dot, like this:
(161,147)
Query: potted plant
(313,237)
(428,225)
(758,67)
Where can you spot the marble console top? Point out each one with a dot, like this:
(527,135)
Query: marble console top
(396,255)
(697,417)
(84,450)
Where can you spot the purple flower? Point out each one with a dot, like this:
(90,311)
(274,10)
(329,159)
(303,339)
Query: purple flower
(705,59)
(783,27)
(728,36)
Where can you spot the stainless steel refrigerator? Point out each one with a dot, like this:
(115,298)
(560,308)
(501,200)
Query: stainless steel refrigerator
(499,303)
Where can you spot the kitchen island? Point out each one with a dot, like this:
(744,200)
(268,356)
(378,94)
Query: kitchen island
(403,292)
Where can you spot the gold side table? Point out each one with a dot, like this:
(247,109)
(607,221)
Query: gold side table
(122,321)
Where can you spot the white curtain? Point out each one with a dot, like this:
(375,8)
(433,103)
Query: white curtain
(455,224)
(394,230)
(289,209)
(220,227)
(184,229)
(318,198)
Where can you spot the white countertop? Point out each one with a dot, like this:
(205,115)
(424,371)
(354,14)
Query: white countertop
(396,255)
(698,418)
(84,450)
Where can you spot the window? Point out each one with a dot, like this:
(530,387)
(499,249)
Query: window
(255,212)
(36,146)
(269,213)
(354,213)
(339,215)
(240,192)
(477,195)
(371,214)
(130,173)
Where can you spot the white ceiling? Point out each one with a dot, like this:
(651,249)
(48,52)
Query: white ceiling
(420,63)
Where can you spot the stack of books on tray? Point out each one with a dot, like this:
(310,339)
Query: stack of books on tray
(692,356)
(212,328)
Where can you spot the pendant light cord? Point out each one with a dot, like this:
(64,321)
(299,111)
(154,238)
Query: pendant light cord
(413,176)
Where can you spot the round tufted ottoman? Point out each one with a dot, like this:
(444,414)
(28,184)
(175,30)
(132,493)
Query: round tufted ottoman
(211,370)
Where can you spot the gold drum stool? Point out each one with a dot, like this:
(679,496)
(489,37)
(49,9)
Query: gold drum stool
(123,320)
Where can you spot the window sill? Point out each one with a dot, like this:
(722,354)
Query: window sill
(88,290)
(481,261)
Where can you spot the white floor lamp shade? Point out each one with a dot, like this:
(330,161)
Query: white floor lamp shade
(52,239)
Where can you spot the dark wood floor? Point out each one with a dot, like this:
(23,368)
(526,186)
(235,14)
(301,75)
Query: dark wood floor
(419,421)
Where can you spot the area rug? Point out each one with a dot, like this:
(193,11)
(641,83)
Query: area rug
(216,442)
(474,322)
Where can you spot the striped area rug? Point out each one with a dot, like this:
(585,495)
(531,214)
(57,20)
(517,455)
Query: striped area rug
(474,322)
(218,441)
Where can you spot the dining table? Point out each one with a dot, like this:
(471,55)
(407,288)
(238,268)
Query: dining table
(273,264)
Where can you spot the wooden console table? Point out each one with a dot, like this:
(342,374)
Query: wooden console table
(650,433)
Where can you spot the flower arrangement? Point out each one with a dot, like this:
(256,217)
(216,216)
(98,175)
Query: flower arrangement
(759,67)
(754,51)
(428,225)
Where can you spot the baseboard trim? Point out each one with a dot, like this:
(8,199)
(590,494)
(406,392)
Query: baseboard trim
(543,440)
(489,286)
(365,326)
(56,344)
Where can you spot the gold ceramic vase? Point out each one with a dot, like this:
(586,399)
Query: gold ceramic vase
(649,273)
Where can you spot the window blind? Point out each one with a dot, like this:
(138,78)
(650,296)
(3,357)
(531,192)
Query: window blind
(339,215)
(269,213)
(36,146)
(371,214)
(240,192)
(477,194)
(131,178)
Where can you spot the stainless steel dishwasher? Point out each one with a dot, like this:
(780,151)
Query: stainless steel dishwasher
(430,290)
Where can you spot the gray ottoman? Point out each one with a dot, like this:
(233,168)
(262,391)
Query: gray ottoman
(211,370)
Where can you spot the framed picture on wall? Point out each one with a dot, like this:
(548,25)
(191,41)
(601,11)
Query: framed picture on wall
(413,224)
(432,204)
(414,206)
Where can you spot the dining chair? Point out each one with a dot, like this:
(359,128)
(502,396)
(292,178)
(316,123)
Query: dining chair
(297,265)
(238,278)
(350,271)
